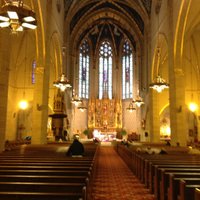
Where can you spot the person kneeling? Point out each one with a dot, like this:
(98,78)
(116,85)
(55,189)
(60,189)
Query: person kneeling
(76,148)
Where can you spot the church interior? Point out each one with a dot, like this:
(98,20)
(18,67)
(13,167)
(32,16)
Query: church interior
(105,71)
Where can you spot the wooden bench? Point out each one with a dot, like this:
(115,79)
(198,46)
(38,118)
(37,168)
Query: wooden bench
(32,175)
(155,178)
(150,170)
(160,171)
(44,178)
(36,167)
(187,190)
(43,195)
(197,194)
(45,172)
(174,189)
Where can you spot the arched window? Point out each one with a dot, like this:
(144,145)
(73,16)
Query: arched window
(127,71)
(84,65)
(105,70)
(33,72)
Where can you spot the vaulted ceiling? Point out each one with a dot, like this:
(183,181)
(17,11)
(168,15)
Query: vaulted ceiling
(112,19)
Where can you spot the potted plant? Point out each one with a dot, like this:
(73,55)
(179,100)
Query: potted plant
(123,132)
(86,132)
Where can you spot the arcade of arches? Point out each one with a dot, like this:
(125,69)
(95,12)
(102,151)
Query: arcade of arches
(111,51)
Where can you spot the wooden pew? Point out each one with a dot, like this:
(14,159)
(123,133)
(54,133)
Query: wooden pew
(44,178)
(36,167)
(173,161)
(174,190)
(44,172)
(187,190)
(161,169)
(197,194)
(160,174)
(43,195)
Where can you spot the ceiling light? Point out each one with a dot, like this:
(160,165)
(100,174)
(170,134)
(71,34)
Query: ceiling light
(76,100)
(62,83)
(130,108)
(17,16)
(138,101)
(159,84)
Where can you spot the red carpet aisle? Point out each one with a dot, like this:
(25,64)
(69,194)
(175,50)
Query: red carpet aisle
(114,180)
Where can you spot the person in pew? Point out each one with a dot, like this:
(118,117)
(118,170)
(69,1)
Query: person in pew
(76,148)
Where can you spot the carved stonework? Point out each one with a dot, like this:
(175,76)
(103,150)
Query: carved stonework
(58,6)
(104,114)
(158,6)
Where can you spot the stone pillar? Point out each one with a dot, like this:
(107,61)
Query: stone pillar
(4,75)
(40,111)
(177,82)
(41,89)
(178,109)
(154,117)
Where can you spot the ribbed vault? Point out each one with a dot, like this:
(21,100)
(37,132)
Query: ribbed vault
(111,19)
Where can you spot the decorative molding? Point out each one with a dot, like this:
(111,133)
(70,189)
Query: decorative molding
(158,6)
(39,70)
(58,5)
(178,72)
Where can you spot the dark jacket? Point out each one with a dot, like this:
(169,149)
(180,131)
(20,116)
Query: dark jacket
(76,148)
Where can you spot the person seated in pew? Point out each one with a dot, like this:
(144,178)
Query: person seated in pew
(76,148)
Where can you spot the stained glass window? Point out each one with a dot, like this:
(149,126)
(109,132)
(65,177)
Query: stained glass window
(33,71)
(127,71)
(84,65)
(105,70)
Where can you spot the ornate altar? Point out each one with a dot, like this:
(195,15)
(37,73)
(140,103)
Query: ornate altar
(105,115)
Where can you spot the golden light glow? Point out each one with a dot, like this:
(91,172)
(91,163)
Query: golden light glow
(23,104)
(165,131)
(193,106)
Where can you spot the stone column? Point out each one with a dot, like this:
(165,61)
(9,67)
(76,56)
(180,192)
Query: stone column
(41,89)
(154,117)
(4,78)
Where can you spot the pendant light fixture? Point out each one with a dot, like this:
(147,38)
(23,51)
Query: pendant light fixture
(75,99)
(130,108)
(62,83)
(158,84)
(82,107)
(17,16)
(138,101)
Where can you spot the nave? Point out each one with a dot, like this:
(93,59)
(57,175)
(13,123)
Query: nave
(114,180)
(39,172)
(117,171)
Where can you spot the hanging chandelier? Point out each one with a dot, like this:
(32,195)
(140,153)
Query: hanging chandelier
(17,16)
(62,83)
(159,84)
(138,101)
(76,100)
(130,108)
(82,107)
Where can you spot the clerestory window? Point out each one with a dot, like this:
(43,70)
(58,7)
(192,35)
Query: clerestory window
(127,71)
(84,65)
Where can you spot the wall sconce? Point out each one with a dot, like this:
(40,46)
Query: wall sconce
(193,106)
(40,107)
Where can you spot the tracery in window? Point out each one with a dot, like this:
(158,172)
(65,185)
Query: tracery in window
(105,70)
(84,64)
(127,71)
